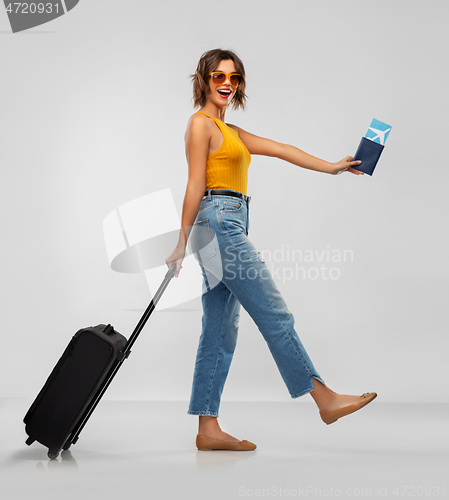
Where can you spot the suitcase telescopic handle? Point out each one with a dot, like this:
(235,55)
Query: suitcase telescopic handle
(139,327)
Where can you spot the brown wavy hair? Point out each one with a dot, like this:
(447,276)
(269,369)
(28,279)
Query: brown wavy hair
(209,62)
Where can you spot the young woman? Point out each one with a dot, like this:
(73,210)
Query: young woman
(215,215)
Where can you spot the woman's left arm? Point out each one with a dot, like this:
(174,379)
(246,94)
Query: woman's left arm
(260,146)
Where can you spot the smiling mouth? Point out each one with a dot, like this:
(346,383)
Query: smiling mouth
(224,93)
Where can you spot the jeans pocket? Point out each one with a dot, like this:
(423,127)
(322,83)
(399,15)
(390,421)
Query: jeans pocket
(201,241)
(232,206)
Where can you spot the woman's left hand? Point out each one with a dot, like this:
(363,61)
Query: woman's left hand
(346,165)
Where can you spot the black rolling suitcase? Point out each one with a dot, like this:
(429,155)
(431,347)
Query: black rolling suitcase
(79,380)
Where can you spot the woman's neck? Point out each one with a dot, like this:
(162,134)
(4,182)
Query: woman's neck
(214,111)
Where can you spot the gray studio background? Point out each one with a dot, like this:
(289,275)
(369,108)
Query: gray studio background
(94,107)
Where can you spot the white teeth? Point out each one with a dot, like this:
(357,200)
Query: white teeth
(225,91)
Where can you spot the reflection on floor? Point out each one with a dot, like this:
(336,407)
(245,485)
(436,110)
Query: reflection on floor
(147,449)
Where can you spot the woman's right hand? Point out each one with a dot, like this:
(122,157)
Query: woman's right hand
(177,256)
(346,165)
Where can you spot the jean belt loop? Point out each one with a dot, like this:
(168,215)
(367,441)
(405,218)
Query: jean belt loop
(208,194)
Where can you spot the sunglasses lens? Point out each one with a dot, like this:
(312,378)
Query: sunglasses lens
(235,80)
(219,78)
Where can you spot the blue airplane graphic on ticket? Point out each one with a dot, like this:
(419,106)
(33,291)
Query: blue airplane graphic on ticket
(378,132)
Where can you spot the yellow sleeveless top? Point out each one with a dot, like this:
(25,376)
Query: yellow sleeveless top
(227,168)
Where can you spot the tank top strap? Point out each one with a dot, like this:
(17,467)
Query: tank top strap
(221,125)
(203,113)
(217,121)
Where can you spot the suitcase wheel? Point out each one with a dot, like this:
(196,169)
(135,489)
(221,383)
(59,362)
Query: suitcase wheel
(52,455)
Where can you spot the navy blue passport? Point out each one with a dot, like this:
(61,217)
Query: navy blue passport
(369,153)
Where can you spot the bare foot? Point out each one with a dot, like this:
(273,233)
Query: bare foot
(208,426)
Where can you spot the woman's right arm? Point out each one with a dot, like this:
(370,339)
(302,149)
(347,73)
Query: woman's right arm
(197,139)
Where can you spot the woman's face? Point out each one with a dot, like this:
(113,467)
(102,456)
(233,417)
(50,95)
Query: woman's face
(222,100)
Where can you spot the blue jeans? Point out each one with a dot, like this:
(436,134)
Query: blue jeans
(235,274)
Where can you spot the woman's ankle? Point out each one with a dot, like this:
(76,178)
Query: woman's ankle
(207,424)
(322,395)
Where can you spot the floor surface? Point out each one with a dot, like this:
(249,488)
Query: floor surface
(144,450)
